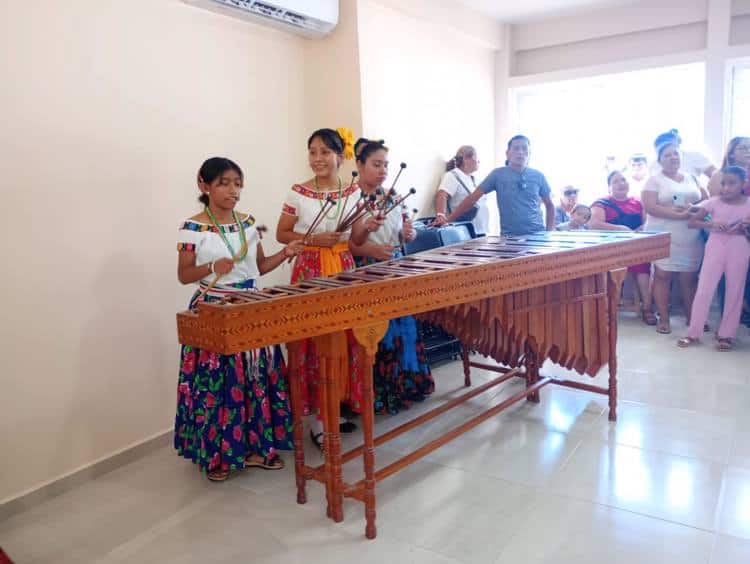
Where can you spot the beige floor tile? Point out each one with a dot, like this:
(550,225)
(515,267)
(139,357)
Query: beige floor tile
(566,531)
(510,448)
(674,431)
(733,514)
(730,550)
(739,455)
(679,489)
(89,521)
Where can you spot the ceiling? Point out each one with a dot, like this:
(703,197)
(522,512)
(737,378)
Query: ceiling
(529,10)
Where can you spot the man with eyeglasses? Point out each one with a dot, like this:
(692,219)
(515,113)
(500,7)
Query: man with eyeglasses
(520,191)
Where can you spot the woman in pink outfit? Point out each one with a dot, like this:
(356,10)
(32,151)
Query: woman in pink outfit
(727,253)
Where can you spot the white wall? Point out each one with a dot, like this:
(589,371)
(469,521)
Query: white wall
(608,22)
(426,89)
(108,110)
(740,30)
(602,50)
(332,86)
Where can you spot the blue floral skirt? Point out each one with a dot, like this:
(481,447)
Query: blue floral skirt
(231,406)
(401,374)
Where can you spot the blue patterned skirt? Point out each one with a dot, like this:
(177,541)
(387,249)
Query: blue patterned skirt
(231,406)
(401,374)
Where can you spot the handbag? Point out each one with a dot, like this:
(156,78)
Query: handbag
(472,212)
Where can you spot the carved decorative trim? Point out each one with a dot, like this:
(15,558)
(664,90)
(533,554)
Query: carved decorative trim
(287,317)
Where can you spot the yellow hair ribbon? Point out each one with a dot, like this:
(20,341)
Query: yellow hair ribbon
(348,137)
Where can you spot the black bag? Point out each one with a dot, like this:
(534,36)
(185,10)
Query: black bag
(472,213)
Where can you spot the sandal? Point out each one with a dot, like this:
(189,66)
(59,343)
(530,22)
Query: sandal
(268,463)
(724,344)
(317,439)
(686,342)
(648,317)
(663,328)
(218,475)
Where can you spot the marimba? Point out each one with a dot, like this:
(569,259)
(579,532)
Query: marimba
(518,300)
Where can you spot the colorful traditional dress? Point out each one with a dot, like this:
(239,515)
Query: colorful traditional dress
(401,374)
(229,406)
(304,204)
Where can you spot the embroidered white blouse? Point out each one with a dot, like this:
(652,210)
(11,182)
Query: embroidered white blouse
(305,204)
(208,245)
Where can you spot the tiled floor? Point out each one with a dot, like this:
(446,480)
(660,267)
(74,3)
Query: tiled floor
(553,483)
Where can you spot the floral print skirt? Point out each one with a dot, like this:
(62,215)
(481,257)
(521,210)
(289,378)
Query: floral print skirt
(316,262)
(231,406)
(401,374)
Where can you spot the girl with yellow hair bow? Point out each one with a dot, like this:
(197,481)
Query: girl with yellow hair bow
(326,253)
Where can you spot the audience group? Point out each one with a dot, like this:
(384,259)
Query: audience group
(705,210)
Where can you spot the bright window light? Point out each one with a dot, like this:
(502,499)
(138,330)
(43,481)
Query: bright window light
(740,117)
(580,127)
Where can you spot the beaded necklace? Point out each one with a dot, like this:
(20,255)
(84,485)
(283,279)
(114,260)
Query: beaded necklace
(241,229)
(337,212)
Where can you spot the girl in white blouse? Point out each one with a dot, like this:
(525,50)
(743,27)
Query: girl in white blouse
(401,374)
(232,410)
(326,252)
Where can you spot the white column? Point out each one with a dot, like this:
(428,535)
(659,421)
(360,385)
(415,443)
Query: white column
(503,69)
(716,102)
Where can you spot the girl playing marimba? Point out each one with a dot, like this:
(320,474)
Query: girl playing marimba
(400,374)
(232,410)
(313,213)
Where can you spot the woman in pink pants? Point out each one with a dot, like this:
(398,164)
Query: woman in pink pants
(727,253)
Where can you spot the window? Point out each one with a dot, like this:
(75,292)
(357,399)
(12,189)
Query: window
(739,122)
(581,128)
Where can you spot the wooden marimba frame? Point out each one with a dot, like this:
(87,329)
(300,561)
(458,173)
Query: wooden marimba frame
(518,300)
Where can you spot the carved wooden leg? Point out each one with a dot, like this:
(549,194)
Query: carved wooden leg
(295,388)
(467,368)
(532,372)
(339,368)
(616,278)
(324,386)
(369,337)
(368,424)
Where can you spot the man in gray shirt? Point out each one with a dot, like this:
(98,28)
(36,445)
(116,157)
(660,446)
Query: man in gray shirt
(519,190)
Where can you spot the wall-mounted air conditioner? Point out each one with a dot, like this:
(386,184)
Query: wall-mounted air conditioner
(311,18)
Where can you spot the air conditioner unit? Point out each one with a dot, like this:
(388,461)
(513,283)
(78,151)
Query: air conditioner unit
(311,18)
